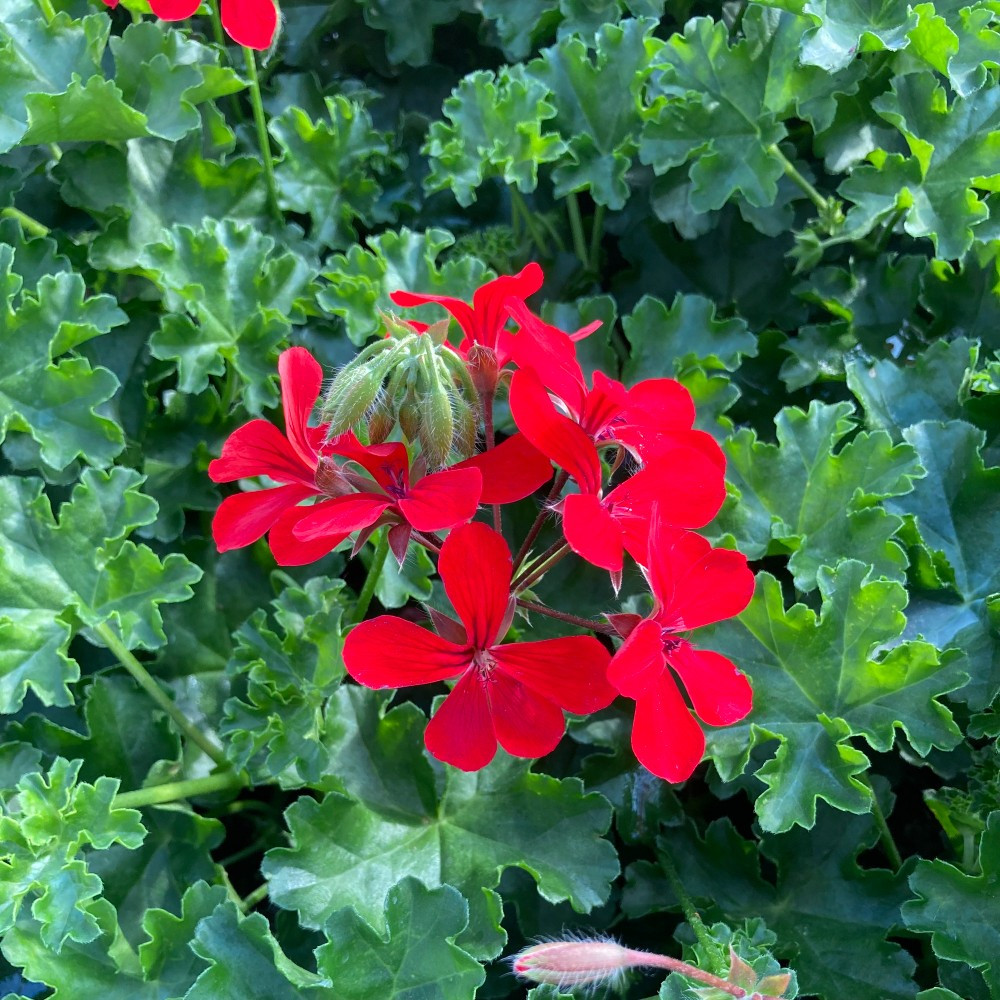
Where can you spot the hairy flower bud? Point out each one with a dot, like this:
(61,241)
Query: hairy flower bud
(567,964)
(437,427)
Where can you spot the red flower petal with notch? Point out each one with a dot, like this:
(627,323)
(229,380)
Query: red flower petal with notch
(693,585)
(512,694)
(252,23)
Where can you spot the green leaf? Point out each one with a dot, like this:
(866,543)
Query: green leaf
(842,28)
(361,280)
(817,502)
(243,295)
(957,513)
(954,154)
(831,916)
(281,684)
(519,23)
(960,910)
(965,298)
(895,397)
(416,956)
(56,576)
(165,74)
(665,342)
(42,829)
(462,829)
(55,401)
(409,25)
(598,106)
(820,681)
(143,190)
(326,170)
(496,122)
(91,112)
(42,58)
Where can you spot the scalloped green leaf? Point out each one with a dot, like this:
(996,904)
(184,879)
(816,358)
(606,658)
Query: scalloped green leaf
(81,571)
(820,681)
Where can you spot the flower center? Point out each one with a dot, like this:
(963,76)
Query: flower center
(484,663)
(394,485)
(669,639)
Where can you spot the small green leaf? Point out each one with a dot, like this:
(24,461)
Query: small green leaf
(416,955)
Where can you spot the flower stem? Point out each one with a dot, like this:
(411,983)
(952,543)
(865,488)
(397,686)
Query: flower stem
(596,234)
(564,616)
(263,140)
(576,227)
(543,515)
(886,233)
(490,438)
(371,580)
(174,791)
(884,833)
(687,904)
(552,555)
(793,174)
(31,226)
(146,681)
(518,204)
(48,11)
(251,899)
(651,960)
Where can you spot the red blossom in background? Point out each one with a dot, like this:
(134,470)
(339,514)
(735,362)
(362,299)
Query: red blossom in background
(693,585)
(511,694)
(247,22)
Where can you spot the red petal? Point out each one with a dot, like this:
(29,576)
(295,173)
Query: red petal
(462,311)
(301,381)
(512,470)
(591,531)
(288,550)
(719,693)
(475,567)
(551,433)
(388,464)
(341,516)
(694,583)
(489,303)
(639,662)
(665,736)
(260,449)
(461,731)
(111,3)
(174,10)
(442,499)
(571,672)
(650,443)
(525,724)
(250,22)
(550,352)
(245,517)
(662,402)
(391,652)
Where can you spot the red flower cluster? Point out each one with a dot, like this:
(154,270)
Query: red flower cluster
(247,22)
(644,479)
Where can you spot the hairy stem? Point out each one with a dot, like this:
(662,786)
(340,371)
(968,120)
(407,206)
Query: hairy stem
(596,234)
(174,791)
(251,899)
(263,140)
(151,686)
(543,515)
(687,904)
(565,616)
(31,226)
(371,580)
(576,227)
(884,833)
(651,960)
(552,555)
(490,439)
(793,174)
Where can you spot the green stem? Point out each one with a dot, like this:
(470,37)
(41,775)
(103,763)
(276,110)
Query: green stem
(552,555)
(217,32)
(565,616)
(371,580)
(531,224)
(886,233)
(263,140)
(540,520)
(31,226)
(146,681)
(174,791)
(576,227)
(885,834)
(596,234)
(251,899)
(687,904)
(793,174)
(48,11)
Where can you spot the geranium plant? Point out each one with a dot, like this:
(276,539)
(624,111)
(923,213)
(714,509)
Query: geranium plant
(499,499)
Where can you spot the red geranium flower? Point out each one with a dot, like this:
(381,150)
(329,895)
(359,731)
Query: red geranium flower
(394,492)
(258,448)
(693,585)
(513,694)
(654,416)
(248,22)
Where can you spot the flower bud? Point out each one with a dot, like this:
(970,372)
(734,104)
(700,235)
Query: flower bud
(380,424)
(465,428)
(567,964)
(409,417)
(437,427)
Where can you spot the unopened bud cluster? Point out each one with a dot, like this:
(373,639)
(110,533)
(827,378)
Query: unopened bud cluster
(411,378)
